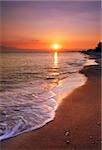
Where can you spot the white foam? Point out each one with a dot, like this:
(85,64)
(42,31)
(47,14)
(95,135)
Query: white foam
(67,85)
(39,110)
(90,62)
(34,104)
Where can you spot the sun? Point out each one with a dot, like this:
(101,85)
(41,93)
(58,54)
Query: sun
(56,46)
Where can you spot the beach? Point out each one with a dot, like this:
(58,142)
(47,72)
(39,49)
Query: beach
(77,123)
(50,78)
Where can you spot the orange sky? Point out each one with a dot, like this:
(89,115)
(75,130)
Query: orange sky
(71,45)
(38,25)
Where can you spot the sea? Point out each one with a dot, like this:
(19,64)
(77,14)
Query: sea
(33,85)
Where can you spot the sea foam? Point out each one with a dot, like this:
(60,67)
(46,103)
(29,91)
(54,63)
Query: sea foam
(31,101)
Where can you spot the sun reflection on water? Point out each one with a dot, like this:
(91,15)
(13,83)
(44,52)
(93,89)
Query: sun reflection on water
(55,59)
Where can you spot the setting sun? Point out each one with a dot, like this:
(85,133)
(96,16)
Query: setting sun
(51,74)
(56,46)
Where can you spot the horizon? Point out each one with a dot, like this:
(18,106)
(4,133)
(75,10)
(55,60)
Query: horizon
(37,26)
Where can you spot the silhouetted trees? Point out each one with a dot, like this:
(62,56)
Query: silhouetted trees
(98,47)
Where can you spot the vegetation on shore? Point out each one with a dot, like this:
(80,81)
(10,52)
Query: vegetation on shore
(97,49)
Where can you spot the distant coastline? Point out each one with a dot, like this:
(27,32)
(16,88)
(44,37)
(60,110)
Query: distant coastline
(7,49)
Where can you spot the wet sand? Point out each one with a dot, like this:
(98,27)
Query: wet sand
(77,124)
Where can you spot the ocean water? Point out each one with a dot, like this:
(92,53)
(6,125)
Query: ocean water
(32,87)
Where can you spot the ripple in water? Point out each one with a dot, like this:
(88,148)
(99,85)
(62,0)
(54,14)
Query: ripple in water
(32,86)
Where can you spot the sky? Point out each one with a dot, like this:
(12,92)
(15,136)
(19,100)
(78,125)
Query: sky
(38,25)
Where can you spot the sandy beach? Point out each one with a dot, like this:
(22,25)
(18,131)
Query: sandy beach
(50,75)
(77,123)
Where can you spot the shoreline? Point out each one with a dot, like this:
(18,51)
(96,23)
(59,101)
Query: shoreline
(63,88)
(52,135)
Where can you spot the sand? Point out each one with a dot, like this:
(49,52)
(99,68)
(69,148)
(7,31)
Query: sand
(77,124)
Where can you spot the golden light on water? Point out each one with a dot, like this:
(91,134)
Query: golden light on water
(55,59)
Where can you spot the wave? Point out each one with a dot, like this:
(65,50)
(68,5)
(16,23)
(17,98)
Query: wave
(34,104)
(38,109)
